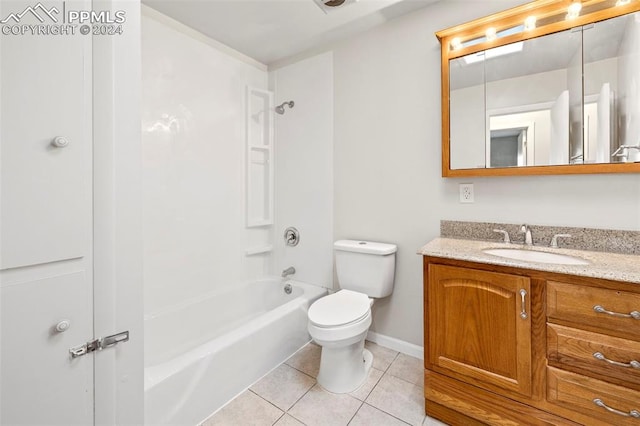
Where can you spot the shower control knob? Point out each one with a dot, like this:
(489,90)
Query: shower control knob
(63,326)
(291,236)
(60,142)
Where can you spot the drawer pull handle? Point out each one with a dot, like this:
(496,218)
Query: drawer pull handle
(523,313)
(633,413)
(633,314)
(633,363)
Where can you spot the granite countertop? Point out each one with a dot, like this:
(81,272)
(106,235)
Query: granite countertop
(611,266)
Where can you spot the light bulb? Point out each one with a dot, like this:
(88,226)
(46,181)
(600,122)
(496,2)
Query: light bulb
(574,10)
(530,23)
(456,43)
(491,34)
(623,2)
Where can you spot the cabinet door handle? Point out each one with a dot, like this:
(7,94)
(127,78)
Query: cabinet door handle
(523,312)
(633,314)
(632,363)
(633,413)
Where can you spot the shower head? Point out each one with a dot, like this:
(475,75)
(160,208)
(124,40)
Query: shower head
(280,108)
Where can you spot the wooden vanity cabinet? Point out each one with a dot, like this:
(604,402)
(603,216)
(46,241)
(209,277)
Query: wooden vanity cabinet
(512,346)
(480,326)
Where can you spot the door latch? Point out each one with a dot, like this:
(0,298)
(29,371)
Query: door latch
(99,344)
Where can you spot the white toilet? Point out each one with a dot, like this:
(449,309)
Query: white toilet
(339,322)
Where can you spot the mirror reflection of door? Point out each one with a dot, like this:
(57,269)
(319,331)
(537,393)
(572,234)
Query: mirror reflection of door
(511,139)
(508,147)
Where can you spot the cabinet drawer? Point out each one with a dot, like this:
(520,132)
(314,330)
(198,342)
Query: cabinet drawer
(608,356)
(619,405)
(579,305)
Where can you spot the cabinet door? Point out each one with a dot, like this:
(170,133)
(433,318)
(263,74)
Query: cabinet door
(46,93)
(480,326)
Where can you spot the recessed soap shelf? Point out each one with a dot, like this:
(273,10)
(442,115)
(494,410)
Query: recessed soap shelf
(259,158)
(259,250)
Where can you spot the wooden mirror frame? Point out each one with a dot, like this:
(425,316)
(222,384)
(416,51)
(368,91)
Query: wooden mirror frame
(554,12)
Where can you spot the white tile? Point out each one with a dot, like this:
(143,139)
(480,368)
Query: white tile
(307,360)
(246,409)
(283,386)
(372,379)
(408,368)
(322,408)
(430,421)
(370,416)
(382,357)
(399,398)
(287,420)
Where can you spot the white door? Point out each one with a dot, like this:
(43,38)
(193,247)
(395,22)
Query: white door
(46,265)
(559,141)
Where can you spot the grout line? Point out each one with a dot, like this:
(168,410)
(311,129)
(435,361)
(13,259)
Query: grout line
(397,418)
(386,412)
(278,419)
(301,396)
(298,400)
(294,417)
(400,378)
(374,385)
(266,400)
(356,413)
(307,374)
(394,360)
(382,409)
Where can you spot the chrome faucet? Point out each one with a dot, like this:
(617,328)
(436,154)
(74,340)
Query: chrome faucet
(524,229)
(505,235)
(554,240)
(289,271)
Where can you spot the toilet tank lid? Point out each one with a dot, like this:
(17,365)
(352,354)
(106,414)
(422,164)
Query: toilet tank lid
(369,247)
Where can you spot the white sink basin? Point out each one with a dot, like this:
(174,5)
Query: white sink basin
(536,256)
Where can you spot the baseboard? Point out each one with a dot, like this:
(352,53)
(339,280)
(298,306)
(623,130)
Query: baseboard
(396,344)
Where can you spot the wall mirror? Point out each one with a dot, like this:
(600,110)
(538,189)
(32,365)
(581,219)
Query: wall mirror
(550,87)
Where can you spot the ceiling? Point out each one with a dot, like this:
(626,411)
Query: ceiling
(272,30)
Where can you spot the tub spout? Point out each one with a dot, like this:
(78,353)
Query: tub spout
(289,271)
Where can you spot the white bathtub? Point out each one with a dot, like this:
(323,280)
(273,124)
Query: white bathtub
(201,354)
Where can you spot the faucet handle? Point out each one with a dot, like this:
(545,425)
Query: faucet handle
(505,234)
(528,239)
(554,240)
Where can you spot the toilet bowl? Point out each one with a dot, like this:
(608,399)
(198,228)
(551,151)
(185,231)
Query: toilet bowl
(339,322)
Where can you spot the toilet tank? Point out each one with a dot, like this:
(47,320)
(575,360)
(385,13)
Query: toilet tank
(365,266)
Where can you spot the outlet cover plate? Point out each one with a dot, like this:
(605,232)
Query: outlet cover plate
(466,193)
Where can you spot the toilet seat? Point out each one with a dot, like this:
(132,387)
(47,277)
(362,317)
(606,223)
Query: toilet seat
(339,309)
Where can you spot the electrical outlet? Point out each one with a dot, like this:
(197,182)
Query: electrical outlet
(466,193)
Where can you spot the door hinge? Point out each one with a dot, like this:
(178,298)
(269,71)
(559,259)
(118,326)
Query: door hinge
(99,344)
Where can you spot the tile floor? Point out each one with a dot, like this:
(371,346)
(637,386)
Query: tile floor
(289,395)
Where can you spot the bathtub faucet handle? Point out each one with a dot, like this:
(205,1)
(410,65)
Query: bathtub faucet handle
(289,271)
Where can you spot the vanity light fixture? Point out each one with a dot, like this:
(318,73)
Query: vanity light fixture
(574,10)
(456,43)
(491,34)
(530,23)
(623,2)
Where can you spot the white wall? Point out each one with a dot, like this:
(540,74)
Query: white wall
(193,142)
(304,168)
(388,184)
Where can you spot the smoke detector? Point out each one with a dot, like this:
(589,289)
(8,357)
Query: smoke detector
(333,5)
